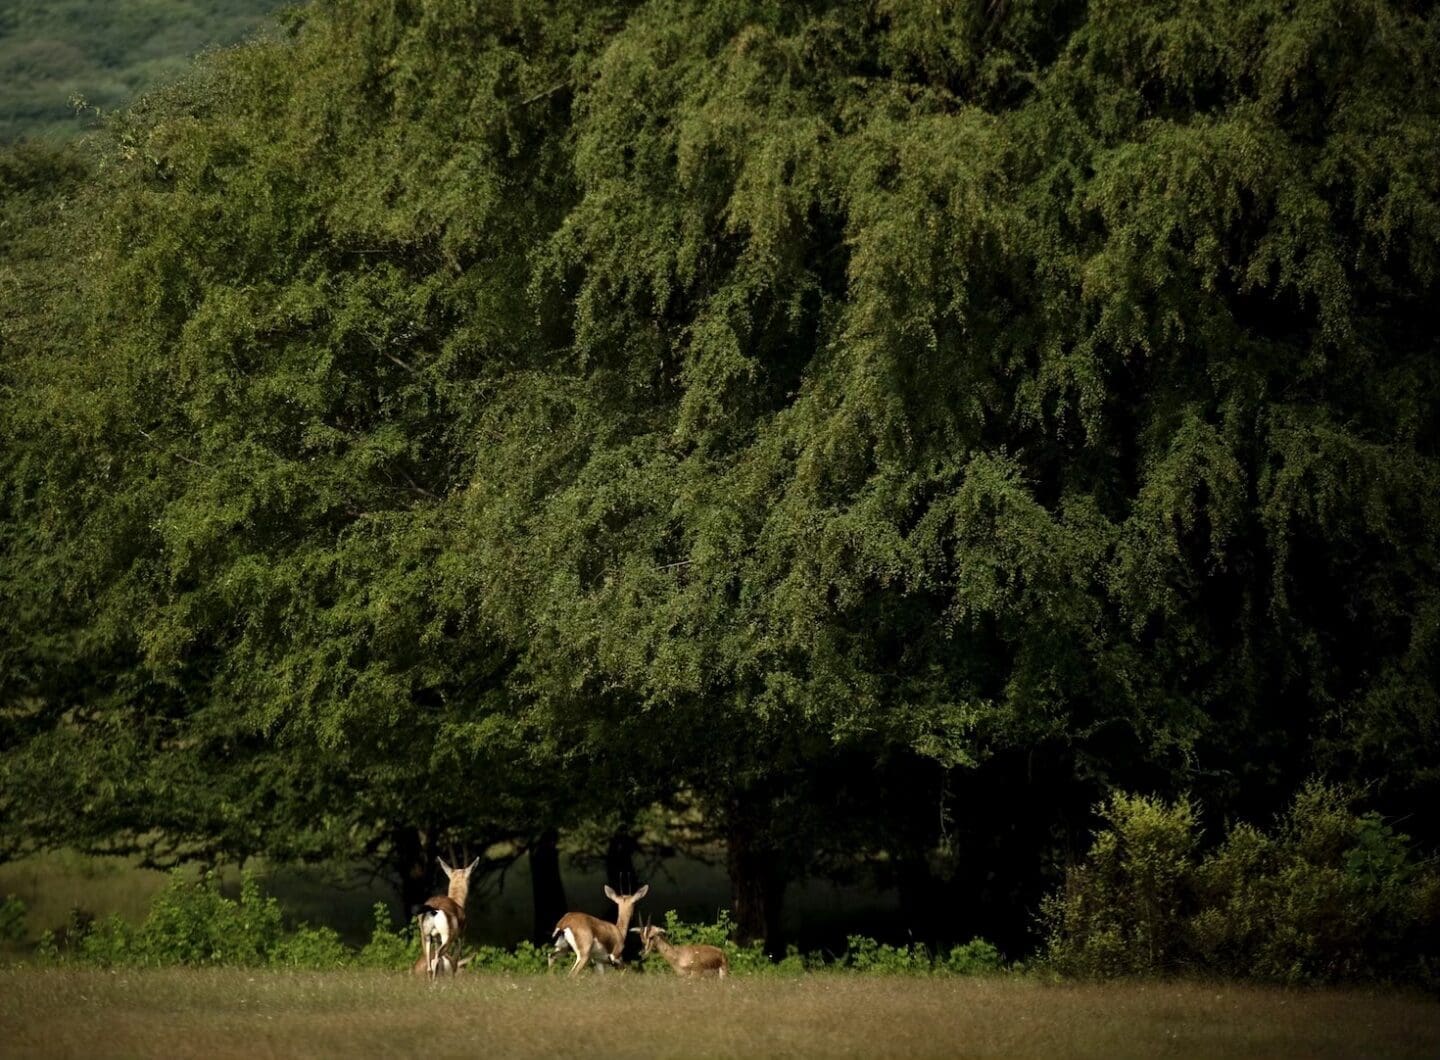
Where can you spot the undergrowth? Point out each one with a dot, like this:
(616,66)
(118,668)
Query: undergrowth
(192,923)
(1327,895)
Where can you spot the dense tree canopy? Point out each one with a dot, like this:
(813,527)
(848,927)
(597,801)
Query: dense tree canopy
(480,418)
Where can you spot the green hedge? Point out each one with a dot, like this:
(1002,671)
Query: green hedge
(1329,895)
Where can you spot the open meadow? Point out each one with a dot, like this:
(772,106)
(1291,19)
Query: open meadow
(224,1013)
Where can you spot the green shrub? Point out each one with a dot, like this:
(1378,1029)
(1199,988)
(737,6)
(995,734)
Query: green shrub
(12,919)
(193,923)
(1121,912)
(1329,896)
(311,947)
(387,948)
(112,941)
(683,933)
(793,963)
(526,957)
(862,955)
(866,955)
(976,957)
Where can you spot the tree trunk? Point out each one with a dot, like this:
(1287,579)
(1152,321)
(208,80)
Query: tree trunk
(922,914)
(547,888)
(413,858)
(757,881)
(620,862)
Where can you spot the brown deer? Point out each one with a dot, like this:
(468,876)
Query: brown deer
(686,960)
(591,938)
(442,920)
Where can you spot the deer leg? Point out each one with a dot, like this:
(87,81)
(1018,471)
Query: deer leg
(582,951)
(425,947)
(604,958)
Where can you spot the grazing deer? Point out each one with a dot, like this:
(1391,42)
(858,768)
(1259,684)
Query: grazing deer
(686,960)
(442,920)
(592,938)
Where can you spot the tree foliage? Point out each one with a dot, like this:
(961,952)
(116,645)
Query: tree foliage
(486,415)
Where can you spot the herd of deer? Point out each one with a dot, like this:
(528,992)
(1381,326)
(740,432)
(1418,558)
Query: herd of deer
(442,923)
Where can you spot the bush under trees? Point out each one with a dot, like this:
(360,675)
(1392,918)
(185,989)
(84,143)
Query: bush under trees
(193,923)
(1329,894)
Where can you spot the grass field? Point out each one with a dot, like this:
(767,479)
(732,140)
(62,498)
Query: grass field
(237,1013)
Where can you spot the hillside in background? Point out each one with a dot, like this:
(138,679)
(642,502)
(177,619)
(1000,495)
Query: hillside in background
(105,52)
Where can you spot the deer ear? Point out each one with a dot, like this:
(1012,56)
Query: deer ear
(610,894)
(472,865)
(642,892)
(447,869)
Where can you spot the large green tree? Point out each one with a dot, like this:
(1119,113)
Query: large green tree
(505,415)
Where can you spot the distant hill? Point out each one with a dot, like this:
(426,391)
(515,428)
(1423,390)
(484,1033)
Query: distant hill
(105,52)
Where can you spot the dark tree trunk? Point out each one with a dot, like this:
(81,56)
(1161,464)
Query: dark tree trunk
(414,858)
(620,862)
(925,915)
(547,888)
(757,881)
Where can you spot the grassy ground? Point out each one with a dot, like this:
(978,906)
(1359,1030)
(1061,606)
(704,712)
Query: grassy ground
(228,1013)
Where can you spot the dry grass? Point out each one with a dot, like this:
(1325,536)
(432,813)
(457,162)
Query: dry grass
(237,1013)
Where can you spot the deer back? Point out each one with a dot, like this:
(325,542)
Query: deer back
(453,911)
(699,959)
(583,926)
(694,959)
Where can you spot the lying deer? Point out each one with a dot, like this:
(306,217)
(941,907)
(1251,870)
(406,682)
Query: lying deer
(686,960)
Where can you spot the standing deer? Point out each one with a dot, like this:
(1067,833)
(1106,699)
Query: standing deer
(686,960)
(442,920)
(592,938)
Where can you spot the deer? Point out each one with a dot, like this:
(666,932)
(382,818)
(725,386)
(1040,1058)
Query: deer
(442,921)
(693,960)
(591,938)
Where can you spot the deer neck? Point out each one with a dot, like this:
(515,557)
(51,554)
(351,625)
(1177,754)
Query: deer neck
(459,891)
(622,920)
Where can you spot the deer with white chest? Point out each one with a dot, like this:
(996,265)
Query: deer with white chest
(591,938)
